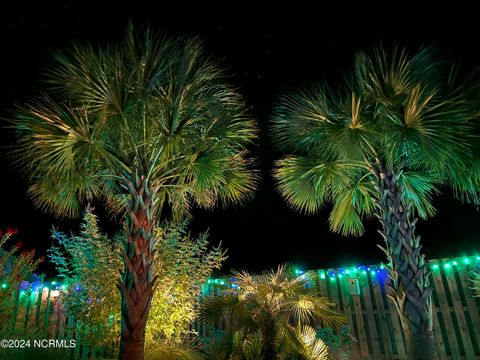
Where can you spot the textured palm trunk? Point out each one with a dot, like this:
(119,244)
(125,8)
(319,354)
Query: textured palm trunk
(137,282)
(410,288)
(268,350)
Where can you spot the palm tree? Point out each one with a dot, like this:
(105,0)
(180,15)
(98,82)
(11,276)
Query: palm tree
(402,129)
(264,311)
(148,126)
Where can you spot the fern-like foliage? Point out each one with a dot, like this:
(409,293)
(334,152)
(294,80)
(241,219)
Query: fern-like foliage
(88,264)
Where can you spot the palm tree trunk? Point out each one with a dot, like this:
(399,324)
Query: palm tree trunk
(410,288)
(269,350)
(137,282)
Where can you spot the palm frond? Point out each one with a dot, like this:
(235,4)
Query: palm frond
(312,122)
(306,183)
(419,188)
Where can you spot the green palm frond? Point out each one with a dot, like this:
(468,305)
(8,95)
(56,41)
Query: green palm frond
(312,122)
(419,188)
(307,183)
(355,201)
(464,180)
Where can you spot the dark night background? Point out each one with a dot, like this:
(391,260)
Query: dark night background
(268,50)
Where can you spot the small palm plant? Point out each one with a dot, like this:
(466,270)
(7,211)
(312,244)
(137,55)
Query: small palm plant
(266,314)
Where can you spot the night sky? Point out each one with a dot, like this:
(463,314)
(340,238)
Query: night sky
(269,51)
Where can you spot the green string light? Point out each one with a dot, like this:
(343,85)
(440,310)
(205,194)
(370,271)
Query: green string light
(435,266)
(4,285)
(454,263)
(466,261)
(447,265)
(322,276)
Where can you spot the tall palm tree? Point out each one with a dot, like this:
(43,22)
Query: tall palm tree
(268,310)
(150,127)
(401,129)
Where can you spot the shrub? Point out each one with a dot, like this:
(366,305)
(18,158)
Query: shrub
(16,273)
(90,262)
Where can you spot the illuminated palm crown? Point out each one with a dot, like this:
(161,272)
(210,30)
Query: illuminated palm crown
(149,107)
(400,113)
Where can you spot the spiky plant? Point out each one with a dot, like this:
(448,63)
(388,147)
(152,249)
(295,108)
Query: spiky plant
(402,129)
(150,127)
(475,282)
(265,310)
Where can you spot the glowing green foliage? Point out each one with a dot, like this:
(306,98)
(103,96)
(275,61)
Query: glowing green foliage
(15,267)
(183,265)
(150,105)
(88,264)
(407,113)
(266,310)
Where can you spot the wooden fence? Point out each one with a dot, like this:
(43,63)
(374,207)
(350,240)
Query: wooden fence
(359,293)
(40,315)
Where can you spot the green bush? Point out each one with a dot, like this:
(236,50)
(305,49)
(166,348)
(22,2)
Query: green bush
(16,274)
(89,264)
